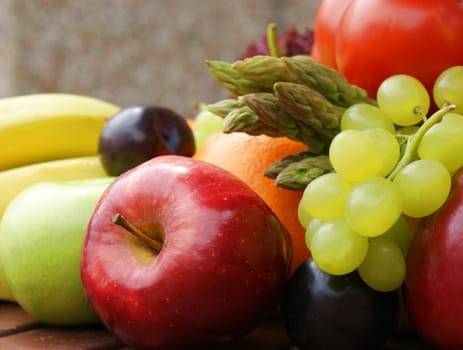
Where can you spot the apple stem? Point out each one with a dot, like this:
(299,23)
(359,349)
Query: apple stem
(118,219)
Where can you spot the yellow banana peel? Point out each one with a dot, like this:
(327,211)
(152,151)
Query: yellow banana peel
(41,127)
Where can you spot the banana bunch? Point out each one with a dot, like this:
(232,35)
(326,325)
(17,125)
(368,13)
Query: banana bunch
(41,127)
(48,137)
(13,181)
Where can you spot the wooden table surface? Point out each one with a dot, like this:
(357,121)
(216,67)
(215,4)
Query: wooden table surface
(19,331)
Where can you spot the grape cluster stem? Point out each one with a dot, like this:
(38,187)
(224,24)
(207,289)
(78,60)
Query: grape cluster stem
(414,141)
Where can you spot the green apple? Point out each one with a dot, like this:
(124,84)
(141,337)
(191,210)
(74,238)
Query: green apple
(41,237)
(5,293)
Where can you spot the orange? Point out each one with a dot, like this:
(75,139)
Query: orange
(248,157)
(190,122)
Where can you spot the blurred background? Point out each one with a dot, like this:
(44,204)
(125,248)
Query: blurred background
(133,51)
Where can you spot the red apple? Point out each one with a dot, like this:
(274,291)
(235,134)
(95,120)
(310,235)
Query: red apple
(212,268)
(434,283)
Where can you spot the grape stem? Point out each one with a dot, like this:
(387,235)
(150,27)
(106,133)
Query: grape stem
(272,40)
(414,141)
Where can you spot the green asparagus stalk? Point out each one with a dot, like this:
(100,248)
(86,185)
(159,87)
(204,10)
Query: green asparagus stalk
(278,166)
(270,111)
(264,70)
(260,73)
(243,119)
(295,97)
(329,82)
(223,107)
(232,80)
(298,174)
(309,106)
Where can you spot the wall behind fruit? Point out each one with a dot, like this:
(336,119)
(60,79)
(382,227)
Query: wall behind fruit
(133,51)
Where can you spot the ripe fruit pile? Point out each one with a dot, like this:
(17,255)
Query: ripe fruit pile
(350,173)
(51,175)
(382,175)
(369,164)
(54,234)
(294,97)
(48,137)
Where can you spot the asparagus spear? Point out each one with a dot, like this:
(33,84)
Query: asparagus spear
(270,111)
(264,70)
(298,173)
(327,81)
(307,105)
(232,80)
(223,107)
(243,119)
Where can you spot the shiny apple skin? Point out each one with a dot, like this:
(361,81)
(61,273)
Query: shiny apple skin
(434,282)
(221,271)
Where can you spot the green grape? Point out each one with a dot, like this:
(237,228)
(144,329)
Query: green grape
(404,99)
(399,233)
(336,249)
(443,142)
(325,197)
(383,268)
(312,227)
(373,206)
(389,148)
(206,124)
(424,186)
(303,215)
(355,155)
(362,116)
(448,88)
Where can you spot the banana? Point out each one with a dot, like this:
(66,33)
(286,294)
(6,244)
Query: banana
(13,181)
(48,126)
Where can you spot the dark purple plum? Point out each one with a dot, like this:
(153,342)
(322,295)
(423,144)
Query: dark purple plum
(138,133)
(323,311)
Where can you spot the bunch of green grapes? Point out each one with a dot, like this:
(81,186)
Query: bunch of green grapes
(391,161)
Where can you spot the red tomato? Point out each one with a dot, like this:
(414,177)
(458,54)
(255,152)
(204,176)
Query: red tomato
(375,39)
(325,27)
